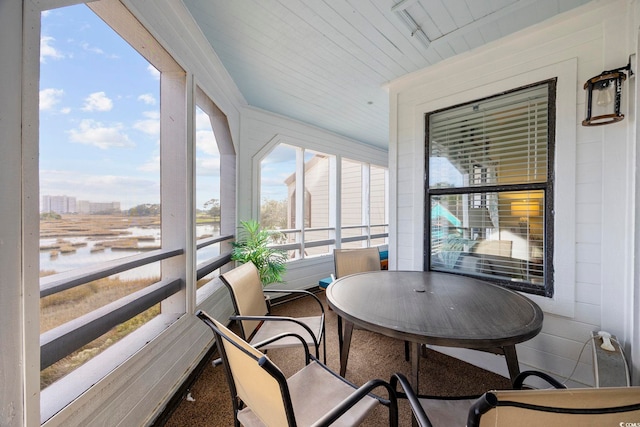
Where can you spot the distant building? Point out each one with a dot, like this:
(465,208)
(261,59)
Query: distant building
(102,208)
(84,207)
(65,205)
(59,204)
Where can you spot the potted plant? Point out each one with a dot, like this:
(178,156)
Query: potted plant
(252,245)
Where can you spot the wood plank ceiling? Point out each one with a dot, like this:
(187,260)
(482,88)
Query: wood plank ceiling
(326,62)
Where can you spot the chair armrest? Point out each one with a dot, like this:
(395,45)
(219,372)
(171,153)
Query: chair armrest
(285,335)
(296,291)
(281,319)
(418,411)
(358,394)
(519,381)
(480,407)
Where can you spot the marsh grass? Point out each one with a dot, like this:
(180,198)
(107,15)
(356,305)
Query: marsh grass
(61,368)
(60,308)
(108,231)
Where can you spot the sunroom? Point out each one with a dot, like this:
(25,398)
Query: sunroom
(449,134)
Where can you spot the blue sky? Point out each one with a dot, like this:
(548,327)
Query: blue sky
(99,116)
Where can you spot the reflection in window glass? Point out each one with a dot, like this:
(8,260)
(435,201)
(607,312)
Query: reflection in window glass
(502,241)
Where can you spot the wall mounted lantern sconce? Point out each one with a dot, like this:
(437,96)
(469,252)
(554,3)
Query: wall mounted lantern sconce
(604,94)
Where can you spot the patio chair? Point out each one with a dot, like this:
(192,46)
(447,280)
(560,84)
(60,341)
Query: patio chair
(252,314)
(558,406)
(262,396)
(360,260)
(350,261)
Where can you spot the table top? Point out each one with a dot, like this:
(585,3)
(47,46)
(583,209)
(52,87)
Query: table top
(435,308)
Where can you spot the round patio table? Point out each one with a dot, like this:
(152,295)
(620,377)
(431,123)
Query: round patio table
(422,307)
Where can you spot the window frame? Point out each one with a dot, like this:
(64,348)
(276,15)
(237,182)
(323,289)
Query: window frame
(335,228)
(548,188)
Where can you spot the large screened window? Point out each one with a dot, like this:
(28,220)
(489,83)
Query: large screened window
(112,170)
(299,194)
(489,189)
(99,172)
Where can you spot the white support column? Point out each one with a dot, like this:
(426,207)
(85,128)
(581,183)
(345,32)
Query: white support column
(12,391)
(634,321)
(28,183)
(190,195)
(299,207)
(333,194)
(174,182)
(366,201)
(338,201)
(617,202)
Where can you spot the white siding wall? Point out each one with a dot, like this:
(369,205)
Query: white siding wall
(594,174)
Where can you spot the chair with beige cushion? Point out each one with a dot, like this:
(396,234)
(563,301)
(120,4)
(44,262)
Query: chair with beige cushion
(559,406)
(262,396)
(350,261)
(360,260)
(252,314)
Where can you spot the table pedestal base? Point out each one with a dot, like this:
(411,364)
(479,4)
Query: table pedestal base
(345,333)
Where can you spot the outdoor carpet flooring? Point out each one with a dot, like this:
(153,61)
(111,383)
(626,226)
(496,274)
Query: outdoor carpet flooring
(372,356)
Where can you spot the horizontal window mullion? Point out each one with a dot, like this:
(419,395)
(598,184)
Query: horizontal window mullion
(489,188)
(59,342)
(69,279)
(318,243)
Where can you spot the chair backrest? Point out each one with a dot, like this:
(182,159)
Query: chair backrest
(253,377)
(350,261)
(245,287)
(581,407)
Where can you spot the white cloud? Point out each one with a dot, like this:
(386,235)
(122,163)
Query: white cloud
(147,98)
(202,120)
(205,138)
(209,166)
(47,50)
(206,141)
(96,50)
(49,98)
(153,71)
(87,47)
(94,133)
(152,165)
(150,126)
(97,101)
(65,110)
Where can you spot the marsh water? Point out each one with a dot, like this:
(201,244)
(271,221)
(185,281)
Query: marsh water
(88,252)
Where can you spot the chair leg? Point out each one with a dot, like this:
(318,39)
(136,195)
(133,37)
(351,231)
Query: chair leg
(406,351)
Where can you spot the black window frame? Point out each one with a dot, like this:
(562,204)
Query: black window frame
(547,287)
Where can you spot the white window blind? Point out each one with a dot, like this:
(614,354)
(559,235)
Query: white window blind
(498,141)
(488,186)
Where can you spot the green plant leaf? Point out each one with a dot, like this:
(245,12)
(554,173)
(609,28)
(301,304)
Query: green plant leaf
(252,245)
